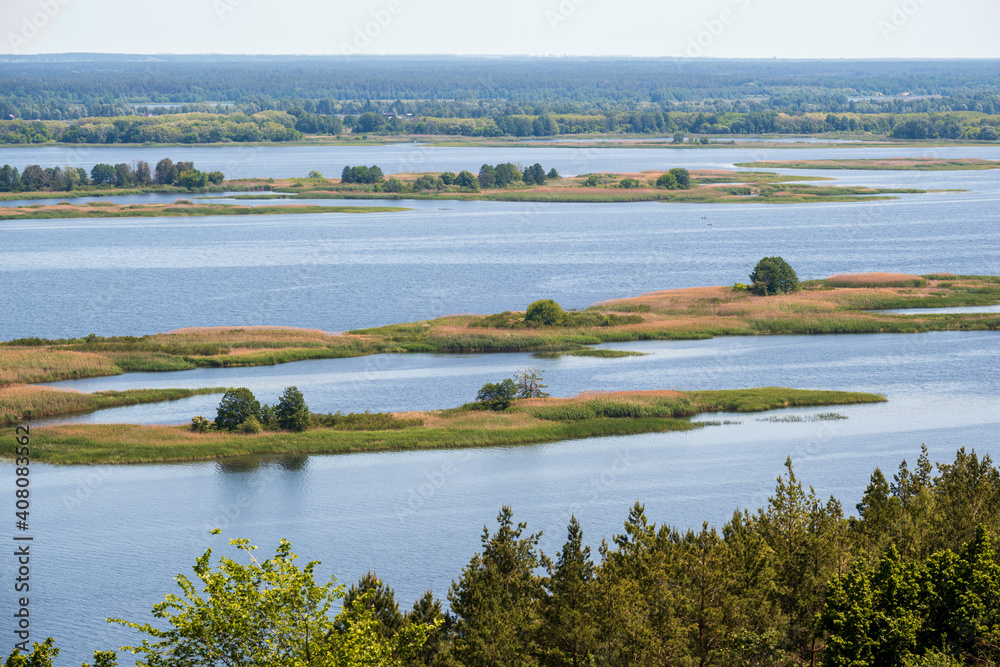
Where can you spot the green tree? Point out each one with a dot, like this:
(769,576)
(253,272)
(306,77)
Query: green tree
(773,275)
(103,174)
(466,179)
(380,600)
(266,614)
(497,396)
(667,180)
(506,175)
(545,312)
(569,632)
(192,179)
(487,177)
(682,176)
(236,407)
(292,413)
(496,602)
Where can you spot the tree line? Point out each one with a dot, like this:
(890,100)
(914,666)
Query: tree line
(122,175)
(911,580)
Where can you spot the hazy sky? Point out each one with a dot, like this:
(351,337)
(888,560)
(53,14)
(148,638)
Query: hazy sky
(715,28)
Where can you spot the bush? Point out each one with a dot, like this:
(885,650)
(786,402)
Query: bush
(291,413)
(740,287)
(545,312)
(250,426)
(773,275)
(199,424)
(236,407)
(629,183)
(497,396)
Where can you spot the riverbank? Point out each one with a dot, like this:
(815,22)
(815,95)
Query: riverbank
(180,208)
(531,421)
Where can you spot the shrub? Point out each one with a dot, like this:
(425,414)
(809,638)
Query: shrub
(629,183)
(199,424)
(591,181)
(250,426)
(773,275)
(497,396)
(545,312)
(740,287)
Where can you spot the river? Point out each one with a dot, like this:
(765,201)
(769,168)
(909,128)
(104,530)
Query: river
(110,539)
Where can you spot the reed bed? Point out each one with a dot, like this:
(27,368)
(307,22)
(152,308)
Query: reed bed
(24,365)
(30,402)
(875,280)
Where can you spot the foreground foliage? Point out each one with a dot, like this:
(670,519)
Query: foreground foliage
(911,580)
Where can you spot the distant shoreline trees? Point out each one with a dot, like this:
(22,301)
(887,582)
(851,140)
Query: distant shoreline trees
(123,175)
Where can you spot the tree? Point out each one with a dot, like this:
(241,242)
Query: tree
(236,407)
(124,176)
(506,174)
(569,633)
(529,383)
(166,172)
(380,600)
(487,177)
(448,178)
(292,413)
(496,602)
(216,177)
(103,174)
(264,614)
(683,177)
(141,171)
(192,178)
(545,312)
(773,275)
(497,396)
(667,180)
(466,179)
(534,175)
(553,175)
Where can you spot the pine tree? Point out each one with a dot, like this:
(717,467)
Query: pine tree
(496,603)
(569,632)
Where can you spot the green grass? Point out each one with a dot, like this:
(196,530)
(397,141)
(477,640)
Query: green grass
(457,428)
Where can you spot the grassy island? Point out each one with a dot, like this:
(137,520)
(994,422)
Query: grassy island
(845,304)
(893,164)
(180,208)
(707,186)
(528,421)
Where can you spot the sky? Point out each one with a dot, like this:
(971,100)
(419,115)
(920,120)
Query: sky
(664,28)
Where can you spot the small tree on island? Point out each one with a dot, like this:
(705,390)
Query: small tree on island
(237,406)
(292,413)
(497,396)
(773,275)
(545,312)
(529,383)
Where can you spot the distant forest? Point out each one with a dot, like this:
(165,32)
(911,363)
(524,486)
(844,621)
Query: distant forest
(288,98)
